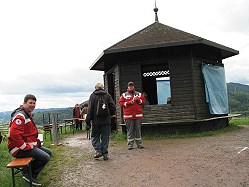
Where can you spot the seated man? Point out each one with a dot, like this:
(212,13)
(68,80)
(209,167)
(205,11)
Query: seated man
(23,142)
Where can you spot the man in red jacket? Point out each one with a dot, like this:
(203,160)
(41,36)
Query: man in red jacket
(132,102)
(23,142)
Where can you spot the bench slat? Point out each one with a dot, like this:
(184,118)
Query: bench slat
(19,162)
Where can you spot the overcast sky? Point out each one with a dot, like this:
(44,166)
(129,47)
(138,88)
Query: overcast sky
(47,47)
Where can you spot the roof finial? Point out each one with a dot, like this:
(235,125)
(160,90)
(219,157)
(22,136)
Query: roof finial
(155,10)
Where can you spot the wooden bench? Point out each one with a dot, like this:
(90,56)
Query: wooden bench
(197,123)
(47,129)
(17,165)
(71,123)
(170,122)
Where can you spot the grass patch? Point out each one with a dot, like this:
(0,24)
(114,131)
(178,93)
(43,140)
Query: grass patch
(53,169)
(239,121)
(118,136)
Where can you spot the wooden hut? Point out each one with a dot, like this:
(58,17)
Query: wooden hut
(160,51)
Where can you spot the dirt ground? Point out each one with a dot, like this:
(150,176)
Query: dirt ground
(216,161)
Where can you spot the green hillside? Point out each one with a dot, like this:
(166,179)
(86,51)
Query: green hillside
(43,117)
(238,98)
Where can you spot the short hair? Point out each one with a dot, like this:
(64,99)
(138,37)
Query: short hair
(99,86)
(29,96)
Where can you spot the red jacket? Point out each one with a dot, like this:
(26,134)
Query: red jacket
(22,132)
(132,111)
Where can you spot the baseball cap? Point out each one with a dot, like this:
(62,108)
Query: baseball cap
(130,84)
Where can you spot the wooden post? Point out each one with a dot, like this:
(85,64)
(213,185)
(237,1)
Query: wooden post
(54,127)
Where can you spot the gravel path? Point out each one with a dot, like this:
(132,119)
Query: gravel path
(215,161)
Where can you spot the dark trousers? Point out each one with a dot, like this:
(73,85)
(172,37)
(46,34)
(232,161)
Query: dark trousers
(78,124)
(100,137)
(40,155)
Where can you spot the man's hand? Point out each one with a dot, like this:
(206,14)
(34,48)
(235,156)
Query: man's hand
(31,146)
(135,97)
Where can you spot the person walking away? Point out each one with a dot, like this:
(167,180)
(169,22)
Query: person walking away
(76,114)
(132,102)
(100,111)
(23,142)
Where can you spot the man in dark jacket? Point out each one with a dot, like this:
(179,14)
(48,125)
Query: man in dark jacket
(100,100)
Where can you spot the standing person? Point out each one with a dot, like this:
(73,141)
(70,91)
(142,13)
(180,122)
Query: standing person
(84,111)
(77,114)
(132,102)
(100,111)
(146,98)
(23,142)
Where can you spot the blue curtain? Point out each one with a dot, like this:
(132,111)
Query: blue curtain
(216,88)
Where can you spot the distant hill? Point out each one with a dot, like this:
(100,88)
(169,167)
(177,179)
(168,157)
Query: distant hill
(238,96)
(237,87)
(5,116)
(38,113)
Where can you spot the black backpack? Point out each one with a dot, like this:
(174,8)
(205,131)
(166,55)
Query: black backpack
(102,107)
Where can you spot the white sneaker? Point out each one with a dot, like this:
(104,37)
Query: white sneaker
(130,147)
(34,181)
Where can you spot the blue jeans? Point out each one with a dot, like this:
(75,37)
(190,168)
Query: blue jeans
(40,155)
(100,137)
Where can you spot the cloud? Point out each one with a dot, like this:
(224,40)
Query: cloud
(52,90)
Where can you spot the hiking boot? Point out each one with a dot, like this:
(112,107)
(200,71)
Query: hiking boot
(105,156)
(130,147)
(33,180)
(98,154)
(140,146)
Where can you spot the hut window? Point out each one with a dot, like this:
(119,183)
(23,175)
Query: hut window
(156,82)
(163,90)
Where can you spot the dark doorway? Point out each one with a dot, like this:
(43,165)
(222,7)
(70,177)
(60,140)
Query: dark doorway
(150,73)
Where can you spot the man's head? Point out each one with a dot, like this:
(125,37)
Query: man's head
(29,102)
(99,86)
(130,86)
(85,105)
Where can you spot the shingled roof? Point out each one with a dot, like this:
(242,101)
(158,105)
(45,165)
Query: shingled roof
(155,35)
(159,35)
